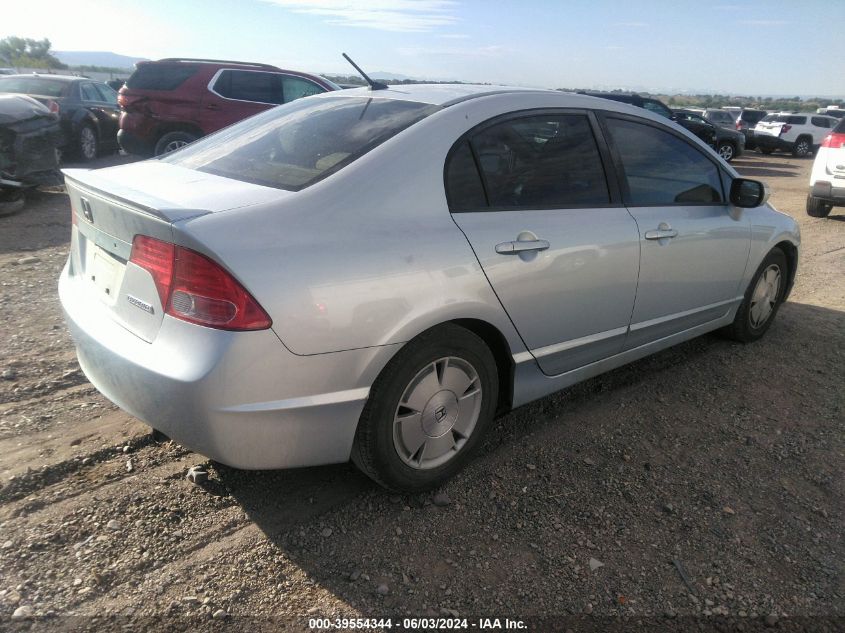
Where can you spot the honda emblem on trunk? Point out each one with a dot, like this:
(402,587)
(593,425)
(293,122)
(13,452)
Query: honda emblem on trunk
(86,210)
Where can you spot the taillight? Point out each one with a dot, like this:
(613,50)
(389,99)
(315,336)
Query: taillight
(196,289)
(786,127)
(834,140)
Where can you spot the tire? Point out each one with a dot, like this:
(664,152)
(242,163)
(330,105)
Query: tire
(765,150)
(802,147)
(817,208)
(173,141)
(427,447)
(86,143)
(762,300)
(11,201)
(726,150)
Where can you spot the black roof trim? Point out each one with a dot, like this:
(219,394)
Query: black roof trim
(215,61)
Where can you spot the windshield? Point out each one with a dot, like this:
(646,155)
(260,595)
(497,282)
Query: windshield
(295,145)
(33,86)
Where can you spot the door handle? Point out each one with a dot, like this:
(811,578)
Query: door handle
(663,231)
(212,106)
(521,246)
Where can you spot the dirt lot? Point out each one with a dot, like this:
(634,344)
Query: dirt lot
(704,481)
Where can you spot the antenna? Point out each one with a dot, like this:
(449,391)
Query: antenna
(374,85)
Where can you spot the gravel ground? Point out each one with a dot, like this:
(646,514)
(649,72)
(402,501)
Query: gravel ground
(701,486)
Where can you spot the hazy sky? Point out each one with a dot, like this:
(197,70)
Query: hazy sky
(754,47)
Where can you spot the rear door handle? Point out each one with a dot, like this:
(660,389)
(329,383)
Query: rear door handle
(663,231)
(212,106)
(521,246)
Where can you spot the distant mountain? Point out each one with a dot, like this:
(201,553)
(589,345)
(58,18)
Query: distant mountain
(384,76)
(97,58)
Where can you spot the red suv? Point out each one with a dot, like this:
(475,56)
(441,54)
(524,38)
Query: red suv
(169,103)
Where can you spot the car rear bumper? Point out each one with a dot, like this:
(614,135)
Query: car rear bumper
(240,398)
(771,142)
(132,144)
(828,192)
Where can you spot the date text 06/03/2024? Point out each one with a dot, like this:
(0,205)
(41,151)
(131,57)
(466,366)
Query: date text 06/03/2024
(414,624)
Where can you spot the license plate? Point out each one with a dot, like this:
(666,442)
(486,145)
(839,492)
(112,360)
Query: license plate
(104,274)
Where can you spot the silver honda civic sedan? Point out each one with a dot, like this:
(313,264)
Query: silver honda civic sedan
(377,274)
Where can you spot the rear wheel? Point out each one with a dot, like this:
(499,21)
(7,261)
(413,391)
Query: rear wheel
(173,141)
(87,143)
(762,299)
(428,410)
(726,150)
(802,147)
(817,208)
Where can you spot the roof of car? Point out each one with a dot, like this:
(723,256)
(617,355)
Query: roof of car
(435,94)
(65,78)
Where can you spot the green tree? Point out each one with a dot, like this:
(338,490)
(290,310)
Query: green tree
(28,53)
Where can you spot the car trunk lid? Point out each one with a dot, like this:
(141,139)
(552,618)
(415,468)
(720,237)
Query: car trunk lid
(111,207)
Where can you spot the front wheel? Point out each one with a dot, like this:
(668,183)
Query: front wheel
(762,299)
(428,410)
(726,151)
(817,208)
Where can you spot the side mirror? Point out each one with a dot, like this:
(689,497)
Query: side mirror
(747,194)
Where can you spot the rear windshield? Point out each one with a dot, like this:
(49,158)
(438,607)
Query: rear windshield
(34,86)
(840,128)
(160,76)
(295,145)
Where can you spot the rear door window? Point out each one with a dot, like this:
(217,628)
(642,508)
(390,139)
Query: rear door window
(298,87)
(160,76)
(464,190)
(250,85)
(662,169)
(548,161)
(820,121)
(106,93)
(89,92)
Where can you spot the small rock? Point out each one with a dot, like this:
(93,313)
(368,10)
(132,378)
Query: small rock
(197,475)
(530,466)
(354,575)
(441,500)
(113,525)
(595,564)
(589,608)
(728,510)
(398,531)
(9,374)
(77,582)
(87,461)
(394,499)
(589,461)
(669,508)
(326,533)
(129,466)
(126,449)
(29,259)
(8,545)
(22,613)
(190,599)
(382,590)
(219,614)
(771,620)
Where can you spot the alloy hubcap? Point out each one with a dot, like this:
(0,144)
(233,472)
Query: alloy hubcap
(765,296)
(726,152)
(437,413)
(88,142)
(174,145)
(803,147)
